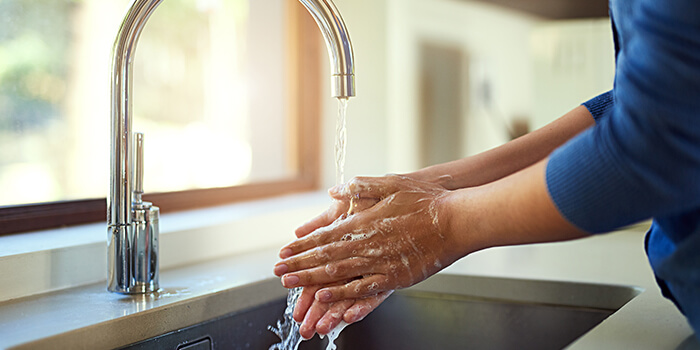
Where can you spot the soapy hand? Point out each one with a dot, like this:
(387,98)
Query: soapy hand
(398,242)
(322,317)
(338,210)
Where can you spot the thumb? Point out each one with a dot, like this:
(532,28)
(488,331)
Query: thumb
(367,187)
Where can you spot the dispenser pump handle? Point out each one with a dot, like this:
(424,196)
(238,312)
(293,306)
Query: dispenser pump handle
(138,167)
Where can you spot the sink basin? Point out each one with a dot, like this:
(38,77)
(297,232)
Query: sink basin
(444,312)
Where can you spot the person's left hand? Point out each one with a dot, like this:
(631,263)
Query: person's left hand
(322,317)
(398,242)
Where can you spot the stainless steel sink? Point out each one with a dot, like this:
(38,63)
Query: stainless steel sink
(444,312)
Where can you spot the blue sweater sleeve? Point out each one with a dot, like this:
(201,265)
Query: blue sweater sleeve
(643,159)
(600,105)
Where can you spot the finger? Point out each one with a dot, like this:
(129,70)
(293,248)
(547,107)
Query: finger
(335,191)
(336,210)
(306,260)
(359,204)
(339,230)
(329,273)
(318,238)
(312,225)
(307,329)
(356,289)
(333,316)
(304,302)
(333,256)
(363,307)
(317,257)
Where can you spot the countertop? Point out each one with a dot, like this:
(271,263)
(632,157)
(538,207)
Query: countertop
(88,317)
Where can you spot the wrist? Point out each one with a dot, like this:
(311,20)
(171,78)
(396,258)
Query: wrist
(461,222)
(451,224)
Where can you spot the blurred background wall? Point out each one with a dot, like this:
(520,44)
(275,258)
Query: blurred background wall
(439,79)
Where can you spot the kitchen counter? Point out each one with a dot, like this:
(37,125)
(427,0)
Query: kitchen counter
(88,317)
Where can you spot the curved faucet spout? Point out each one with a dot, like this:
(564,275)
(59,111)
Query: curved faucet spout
(125,217)
(338,44)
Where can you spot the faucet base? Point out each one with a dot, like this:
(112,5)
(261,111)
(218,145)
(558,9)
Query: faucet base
(133,257)
(139,288)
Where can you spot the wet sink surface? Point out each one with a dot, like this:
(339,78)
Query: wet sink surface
(445,312)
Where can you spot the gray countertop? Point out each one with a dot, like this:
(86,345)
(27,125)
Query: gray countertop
(90,318)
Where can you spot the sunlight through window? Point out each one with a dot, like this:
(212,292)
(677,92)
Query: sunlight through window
(209,87)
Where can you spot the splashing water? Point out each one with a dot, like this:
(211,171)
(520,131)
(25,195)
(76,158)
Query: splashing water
(288,329)
(334,334)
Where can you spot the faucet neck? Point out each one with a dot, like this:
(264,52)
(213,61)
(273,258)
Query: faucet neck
(338,44)
(119,200)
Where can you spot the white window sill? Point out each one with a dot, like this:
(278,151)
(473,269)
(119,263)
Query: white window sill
(50,260)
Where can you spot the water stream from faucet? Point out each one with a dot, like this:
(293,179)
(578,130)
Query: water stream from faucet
(341,137)
(288,329)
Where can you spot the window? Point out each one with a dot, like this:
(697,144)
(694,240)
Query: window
(228,106)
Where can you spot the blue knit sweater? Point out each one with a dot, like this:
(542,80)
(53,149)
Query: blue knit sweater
(642,159)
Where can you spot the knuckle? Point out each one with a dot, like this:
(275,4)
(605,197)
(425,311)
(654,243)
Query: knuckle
(357,184)
(322,253)
(355,180)
(353,289)
(372,287)
(335,270)
(351,183)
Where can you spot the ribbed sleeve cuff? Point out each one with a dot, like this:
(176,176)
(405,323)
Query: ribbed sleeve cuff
(600,105)
(588,186)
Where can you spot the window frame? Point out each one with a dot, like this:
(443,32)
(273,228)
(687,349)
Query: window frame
(304,65)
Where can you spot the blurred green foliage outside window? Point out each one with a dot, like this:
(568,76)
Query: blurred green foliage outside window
(203,68)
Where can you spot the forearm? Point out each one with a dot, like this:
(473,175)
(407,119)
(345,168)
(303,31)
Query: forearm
(514,210)
(509,158)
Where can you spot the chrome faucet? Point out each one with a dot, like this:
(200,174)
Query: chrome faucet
(132,243)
